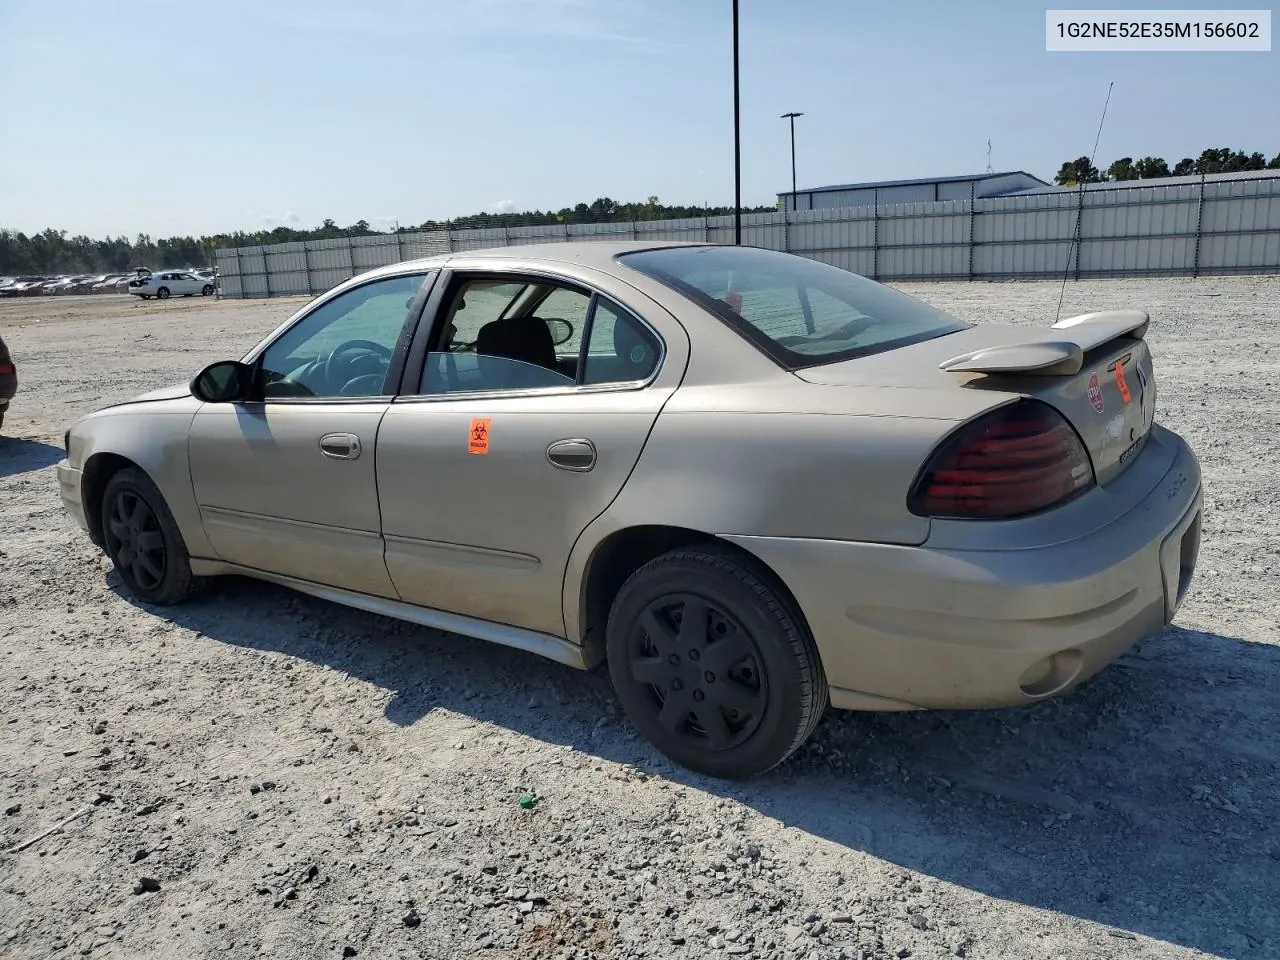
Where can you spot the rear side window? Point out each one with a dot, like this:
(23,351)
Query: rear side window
(800,312)
(619,350)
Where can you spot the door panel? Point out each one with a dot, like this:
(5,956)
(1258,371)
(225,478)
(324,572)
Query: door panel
(271,498)
(285,482)
(485,528)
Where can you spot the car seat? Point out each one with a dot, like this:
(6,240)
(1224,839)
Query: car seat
(527,339)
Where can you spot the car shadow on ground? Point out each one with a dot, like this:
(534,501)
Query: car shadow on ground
(1145,801)
(18,455)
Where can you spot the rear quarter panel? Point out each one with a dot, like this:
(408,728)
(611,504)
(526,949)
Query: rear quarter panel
(718,463)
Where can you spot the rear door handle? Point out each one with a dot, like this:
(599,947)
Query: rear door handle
(340,446)
(576,455)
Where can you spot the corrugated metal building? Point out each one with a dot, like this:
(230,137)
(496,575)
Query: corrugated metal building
(977,186)
(1173,226)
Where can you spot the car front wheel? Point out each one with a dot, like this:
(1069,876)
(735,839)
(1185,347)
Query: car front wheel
(712,664)
(143,540)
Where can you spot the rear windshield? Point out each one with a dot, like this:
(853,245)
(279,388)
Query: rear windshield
(801,312)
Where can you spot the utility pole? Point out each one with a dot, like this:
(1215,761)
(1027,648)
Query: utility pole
(792,118)
(737,139)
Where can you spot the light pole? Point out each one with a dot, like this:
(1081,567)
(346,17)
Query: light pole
(737,139)
(792,118)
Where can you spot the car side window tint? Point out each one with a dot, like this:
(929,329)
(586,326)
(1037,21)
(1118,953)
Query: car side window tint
(570,306)
(464,372)
(476,304)
(344,347)
(508,336)
(620,348)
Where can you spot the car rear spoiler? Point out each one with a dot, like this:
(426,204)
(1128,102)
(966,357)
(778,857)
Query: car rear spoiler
(1054,356)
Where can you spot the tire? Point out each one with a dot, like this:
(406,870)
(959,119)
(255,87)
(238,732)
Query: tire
(163,293)
(206,290)
(134,515)
(761,697)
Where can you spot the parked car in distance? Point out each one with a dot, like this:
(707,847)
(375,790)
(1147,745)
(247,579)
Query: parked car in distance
(25,287)
(8,379)
(170,283)
(109,283)
(67,285)
(754,484)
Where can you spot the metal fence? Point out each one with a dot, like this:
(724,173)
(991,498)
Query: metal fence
(1226,224)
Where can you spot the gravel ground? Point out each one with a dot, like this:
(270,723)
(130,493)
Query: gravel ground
(297,780)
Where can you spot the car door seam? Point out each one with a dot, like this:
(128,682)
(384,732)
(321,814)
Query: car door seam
(564,576)
(377,497)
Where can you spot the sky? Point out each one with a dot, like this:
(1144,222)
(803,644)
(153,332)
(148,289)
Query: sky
(170,117)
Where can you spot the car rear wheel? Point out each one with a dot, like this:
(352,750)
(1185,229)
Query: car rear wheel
(144,542)
(206,290)
(712,663)
(163,293)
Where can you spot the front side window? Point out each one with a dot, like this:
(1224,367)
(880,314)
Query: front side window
(344,347)
(502,336)
(800,312)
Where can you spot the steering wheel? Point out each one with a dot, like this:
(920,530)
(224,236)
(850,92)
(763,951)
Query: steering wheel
(332,362)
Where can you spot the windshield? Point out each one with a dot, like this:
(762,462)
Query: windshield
(801,312)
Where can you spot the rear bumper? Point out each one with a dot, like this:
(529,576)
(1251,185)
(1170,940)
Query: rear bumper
(69,479)
(8,387)
(918,627)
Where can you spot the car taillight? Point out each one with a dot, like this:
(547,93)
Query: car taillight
(1017,460)
(7,368)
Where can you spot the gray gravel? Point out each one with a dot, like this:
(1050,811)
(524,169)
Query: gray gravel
(298,780)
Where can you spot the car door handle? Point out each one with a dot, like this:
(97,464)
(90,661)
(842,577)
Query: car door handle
(340,446)
(577,455)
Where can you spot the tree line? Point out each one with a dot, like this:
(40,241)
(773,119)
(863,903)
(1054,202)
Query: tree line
(51,251)
(1213,160)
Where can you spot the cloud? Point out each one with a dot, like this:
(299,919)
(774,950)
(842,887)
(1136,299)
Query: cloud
(501,206)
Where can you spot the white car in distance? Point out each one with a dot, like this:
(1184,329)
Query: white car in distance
(170,283)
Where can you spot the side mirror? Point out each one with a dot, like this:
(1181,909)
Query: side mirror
(222,382)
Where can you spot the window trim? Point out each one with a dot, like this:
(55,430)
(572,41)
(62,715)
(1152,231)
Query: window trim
(446,286)
(413,317)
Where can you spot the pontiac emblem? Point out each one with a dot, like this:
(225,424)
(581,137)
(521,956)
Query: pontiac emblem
(1095,393)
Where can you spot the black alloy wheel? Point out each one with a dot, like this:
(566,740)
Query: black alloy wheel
(134,541)
(713,663)
(143,541)
(702,668)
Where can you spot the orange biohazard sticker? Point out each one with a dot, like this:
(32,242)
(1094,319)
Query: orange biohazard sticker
(478,438)
(1125,395)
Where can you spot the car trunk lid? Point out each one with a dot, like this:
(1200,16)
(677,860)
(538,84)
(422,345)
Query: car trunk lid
(1095,369)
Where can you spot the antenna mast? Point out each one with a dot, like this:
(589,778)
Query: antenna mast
(1075,240)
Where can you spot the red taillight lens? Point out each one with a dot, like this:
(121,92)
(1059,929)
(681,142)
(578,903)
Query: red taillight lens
(7,368)
(1011,462)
